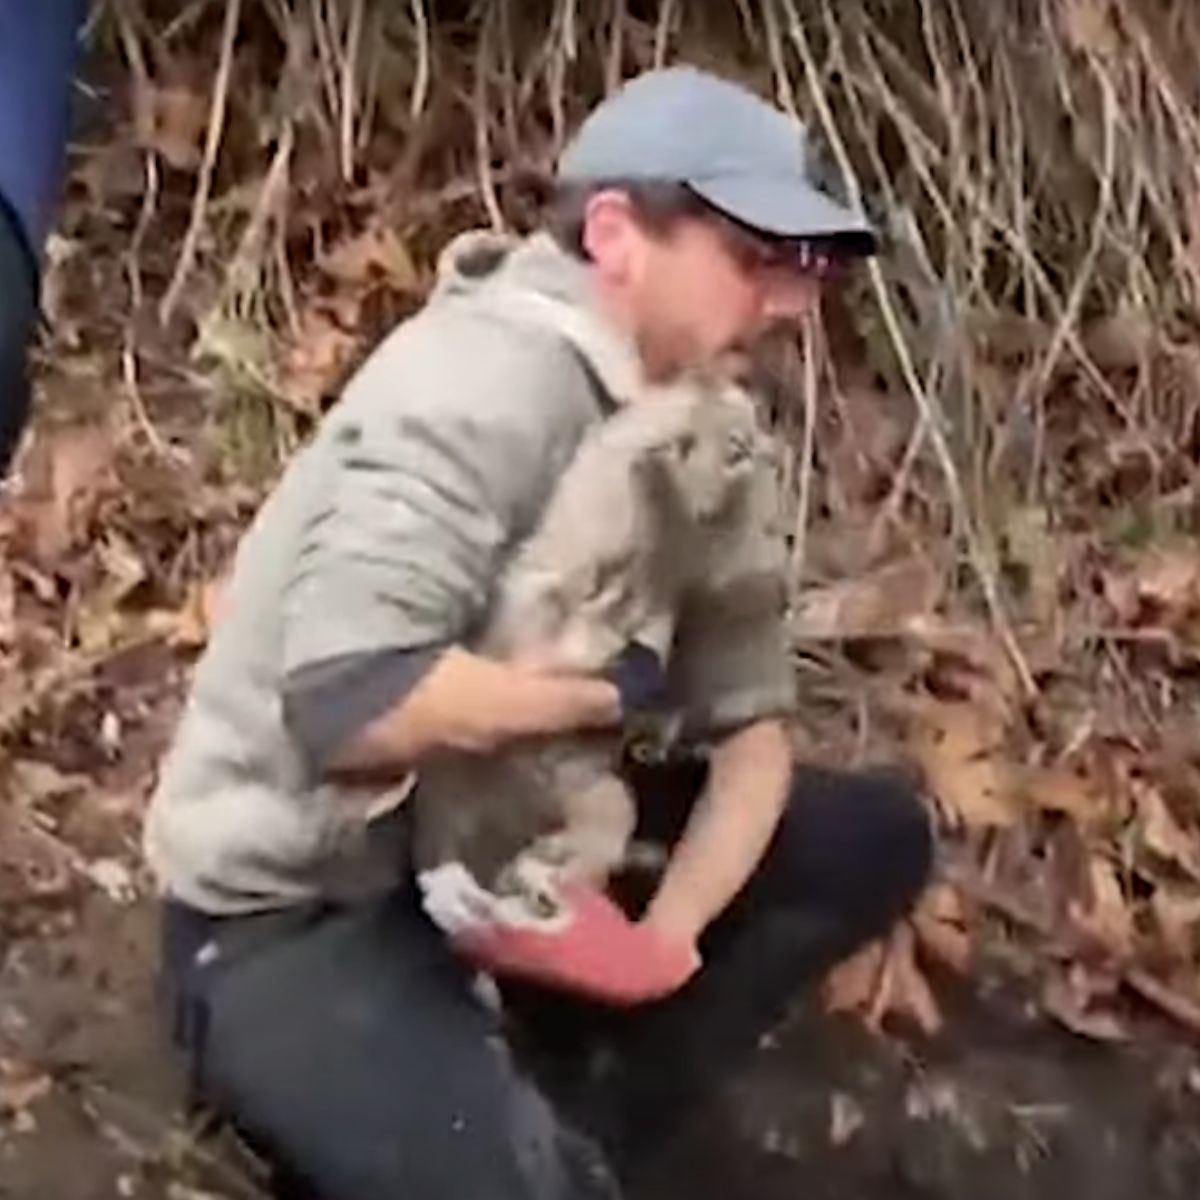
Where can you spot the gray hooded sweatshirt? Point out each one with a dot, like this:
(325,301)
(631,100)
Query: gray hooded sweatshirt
(384,539)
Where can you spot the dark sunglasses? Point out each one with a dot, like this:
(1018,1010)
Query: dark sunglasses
(816,258)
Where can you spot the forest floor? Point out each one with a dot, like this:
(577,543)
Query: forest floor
(1034,1030)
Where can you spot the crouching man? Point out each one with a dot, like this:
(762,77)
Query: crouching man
(324,1014)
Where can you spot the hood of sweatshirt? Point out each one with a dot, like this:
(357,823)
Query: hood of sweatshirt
(532,279)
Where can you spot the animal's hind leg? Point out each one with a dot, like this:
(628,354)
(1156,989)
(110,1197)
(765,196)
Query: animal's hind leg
(599,823)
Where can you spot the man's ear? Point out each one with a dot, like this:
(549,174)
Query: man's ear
(609,231)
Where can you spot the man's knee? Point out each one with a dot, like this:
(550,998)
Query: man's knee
(862,841)
(903,833)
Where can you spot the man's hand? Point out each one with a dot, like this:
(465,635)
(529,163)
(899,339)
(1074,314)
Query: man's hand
(594,951)
(727,834)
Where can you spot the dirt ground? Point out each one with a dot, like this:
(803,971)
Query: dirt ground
(151,456)
(1001,1105)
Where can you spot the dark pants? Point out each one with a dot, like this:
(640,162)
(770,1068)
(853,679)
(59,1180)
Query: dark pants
(18,312)
(353,1050)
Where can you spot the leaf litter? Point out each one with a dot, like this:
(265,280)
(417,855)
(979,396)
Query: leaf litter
(1055,541)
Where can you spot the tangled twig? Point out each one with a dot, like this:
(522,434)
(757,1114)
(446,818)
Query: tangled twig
(212,145)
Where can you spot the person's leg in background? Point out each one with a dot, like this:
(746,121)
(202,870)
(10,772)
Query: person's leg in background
(38,46)
(18,312)
(851,855)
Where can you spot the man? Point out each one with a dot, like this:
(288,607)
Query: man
(37,54)
(324,1013)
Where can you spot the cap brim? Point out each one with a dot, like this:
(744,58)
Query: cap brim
(788,207)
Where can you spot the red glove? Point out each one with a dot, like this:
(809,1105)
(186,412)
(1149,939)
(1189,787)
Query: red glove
(597,951)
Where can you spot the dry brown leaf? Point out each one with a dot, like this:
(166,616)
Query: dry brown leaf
(940,925)
(1068,997)
(1106,917)
(852,983)
(1169,580)
(959,748)
(1176,917)
(1121,341)
(1032,546)
(1161,833)
(31,781)
(881,979)
(8,606)
(40,865)
(1069,788)
(1089,26)
(171,121)
(191,624)
(314,364)
(21,1087)
(911,994)
(376,252)
(65,476)
(968,661)
(100,623)
(879,604)
(1160,588)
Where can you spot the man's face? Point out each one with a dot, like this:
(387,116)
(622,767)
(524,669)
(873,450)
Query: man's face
(698,291)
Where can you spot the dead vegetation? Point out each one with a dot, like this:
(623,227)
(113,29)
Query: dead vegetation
(996,439)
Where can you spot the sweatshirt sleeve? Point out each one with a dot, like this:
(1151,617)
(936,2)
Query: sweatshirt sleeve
(422,500)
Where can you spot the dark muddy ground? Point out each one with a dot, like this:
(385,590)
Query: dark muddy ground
(1000,1106)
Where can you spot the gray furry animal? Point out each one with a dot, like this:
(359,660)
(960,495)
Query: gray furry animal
(628,530)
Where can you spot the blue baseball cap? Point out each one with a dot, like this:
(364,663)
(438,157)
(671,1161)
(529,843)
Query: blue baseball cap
(742,155)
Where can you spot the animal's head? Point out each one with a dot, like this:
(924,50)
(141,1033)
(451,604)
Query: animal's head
(699,471)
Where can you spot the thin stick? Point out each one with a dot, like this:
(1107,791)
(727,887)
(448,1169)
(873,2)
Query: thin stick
(132,47)
(216,128)
(1074,303)
(784,94)
(808,440)
(930,409)
(349,88)
(662,32)
(563,51)
(420,92)
(185,20)
(1021,248)
(325,54)
(483,147)
(129,376)
(616,48)
(145,216)
(510,85)
(747,22)
(373,42)
(129,361)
